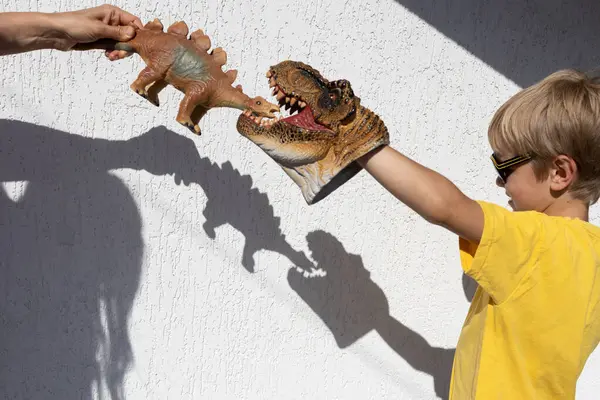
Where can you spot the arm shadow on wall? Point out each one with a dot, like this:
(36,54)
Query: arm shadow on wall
(524,40)
(350,304)
(70,261)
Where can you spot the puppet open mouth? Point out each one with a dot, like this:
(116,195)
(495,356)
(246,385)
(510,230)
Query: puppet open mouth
(299,112)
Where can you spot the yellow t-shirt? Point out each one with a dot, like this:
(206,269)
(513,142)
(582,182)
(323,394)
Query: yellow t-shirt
(535,317)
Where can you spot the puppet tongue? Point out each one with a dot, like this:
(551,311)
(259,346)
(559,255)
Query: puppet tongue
(305,119)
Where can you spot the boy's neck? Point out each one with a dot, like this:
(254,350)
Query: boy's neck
(569,208)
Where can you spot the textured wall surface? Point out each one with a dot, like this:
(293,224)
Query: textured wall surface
(140,262)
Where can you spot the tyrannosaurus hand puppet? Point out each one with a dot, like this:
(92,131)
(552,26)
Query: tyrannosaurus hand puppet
(326,132)
(174,59)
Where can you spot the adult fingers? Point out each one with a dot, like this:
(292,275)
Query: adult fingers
(118,16)
(126,18)
(112,15)
(120,33)
(117,55)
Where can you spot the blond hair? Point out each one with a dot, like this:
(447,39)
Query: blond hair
(559,115)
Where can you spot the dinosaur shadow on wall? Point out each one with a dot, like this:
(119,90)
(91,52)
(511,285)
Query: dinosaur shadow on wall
(232,200)
(230,197)
(350,304)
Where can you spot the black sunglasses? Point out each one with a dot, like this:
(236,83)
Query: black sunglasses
(505,168)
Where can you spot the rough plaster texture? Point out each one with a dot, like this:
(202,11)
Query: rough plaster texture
(139,262)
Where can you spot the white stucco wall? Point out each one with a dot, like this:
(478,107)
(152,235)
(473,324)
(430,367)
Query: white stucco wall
(117,279)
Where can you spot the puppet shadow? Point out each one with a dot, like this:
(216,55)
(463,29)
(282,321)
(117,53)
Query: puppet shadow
(351,305)
(523,40)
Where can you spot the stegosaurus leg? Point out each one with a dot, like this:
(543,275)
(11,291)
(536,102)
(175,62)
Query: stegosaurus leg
(188,104)
(154,89)
(197,115)
(145,79)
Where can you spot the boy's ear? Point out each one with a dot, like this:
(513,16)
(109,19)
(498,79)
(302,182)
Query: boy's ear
(563,173)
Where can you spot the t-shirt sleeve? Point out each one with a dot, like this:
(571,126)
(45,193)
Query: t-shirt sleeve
(507,251)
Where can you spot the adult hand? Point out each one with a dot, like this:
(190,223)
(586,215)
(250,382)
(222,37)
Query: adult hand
(27,31)
(88,25)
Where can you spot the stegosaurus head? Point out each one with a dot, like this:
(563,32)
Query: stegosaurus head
(260,107)
(327,130)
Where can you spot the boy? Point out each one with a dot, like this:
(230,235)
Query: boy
(535,317)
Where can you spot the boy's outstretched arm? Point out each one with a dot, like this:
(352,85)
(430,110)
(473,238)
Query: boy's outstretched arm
(425,191)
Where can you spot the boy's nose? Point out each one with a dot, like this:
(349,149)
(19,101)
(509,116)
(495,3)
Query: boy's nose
(499,182)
